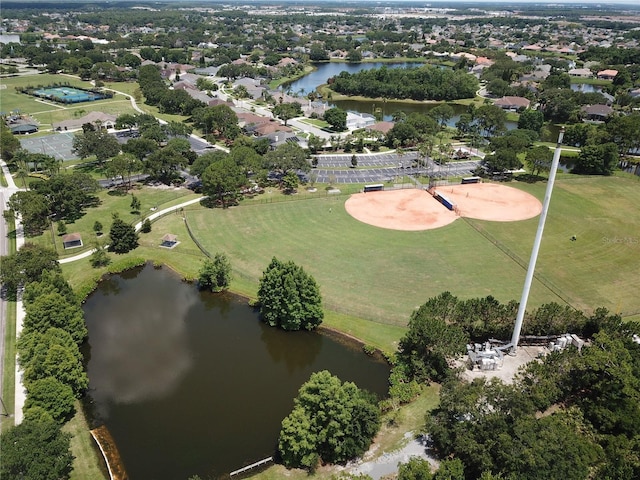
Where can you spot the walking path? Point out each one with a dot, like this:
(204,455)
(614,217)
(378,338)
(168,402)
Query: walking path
(20,393)
(137,227)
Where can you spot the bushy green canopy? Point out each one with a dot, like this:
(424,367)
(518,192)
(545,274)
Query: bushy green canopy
(331,422)
(289,297)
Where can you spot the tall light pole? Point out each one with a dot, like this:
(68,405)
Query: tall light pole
(515,338)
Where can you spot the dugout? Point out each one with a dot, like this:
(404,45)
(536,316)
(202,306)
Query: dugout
(468,180)
(377,187)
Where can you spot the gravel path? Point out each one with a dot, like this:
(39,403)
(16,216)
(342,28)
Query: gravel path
(387,463)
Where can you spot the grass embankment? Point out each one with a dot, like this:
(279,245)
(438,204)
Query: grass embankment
(7,407)
(382,275)
(273,84)
(88,463)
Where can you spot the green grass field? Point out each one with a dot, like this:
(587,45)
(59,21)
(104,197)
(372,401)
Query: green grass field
(113,202)
(49,112)
(382,275)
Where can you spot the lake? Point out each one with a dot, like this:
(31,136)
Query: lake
(382,110)
(324,71)
(191,382)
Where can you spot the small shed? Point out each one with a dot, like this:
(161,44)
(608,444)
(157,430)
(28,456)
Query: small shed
(169,241)
(73,240)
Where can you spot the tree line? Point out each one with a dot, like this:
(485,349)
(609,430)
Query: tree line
(422,83)
(49,355)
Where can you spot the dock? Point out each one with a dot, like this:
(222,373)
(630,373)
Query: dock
(257,464)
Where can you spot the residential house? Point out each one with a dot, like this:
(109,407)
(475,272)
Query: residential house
(580,73)
(513,103)
(607,74)
(596,113)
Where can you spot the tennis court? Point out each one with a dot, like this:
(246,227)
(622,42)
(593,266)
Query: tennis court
(68,94)
(59,145)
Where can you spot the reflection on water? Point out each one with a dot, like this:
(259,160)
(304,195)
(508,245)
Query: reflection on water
(192,383)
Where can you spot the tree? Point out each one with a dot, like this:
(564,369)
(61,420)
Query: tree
(331,422)
(62,362)
(222,181)
(531,120)
(290,182)
(442,114)
(597,159)
(54,310)
(99,143)
(491,119)
(123,236)
(97,227)
(124,164)
(539,159)
(315,143)
(9,144)
(431,342)
(204,160)
(288,156)
(287,111)
(146,226)
(354,56)
(53,396)
(62,227)
(415,469)
(99,257)
(68,194)
(215,274)
(37,450)
(33,208)
(27,265)
(337,118)
(135,204)
(289,297)
(164,164)
(354,161)
(220,121)
(503,160)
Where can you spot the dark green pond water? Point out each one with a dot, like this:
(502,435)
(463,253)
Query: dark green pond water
(193,383)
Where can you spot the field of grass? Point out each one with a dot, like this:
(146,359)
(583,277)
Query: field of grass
(112,202)
(382,275)
(49,112)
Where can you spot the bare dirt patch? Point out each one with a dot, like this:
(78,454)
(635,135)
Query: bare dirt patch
(492,201)
(415,209)
(411,209)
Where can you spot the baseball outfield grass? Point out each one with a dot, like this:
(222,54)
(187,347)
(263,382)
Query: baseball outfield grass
(383,275)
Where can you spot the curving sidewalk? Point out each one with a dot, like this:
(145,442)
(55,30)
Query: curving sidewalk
(137,227)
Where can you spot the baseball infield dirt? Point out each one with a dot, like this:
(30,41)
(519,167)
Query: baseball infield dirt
(415,209)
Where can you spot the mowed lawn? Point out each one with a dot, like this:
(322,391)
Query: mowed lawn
(50,112)
(383,275)
(602,266)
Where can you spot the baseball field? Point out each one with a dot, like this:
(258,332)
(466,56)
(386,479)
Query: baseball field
(382,274)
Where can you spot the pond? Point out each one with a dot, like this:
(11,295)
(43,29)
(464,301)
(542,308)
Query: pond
(586,88)
(382,110)
(324,71)
(190,382)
